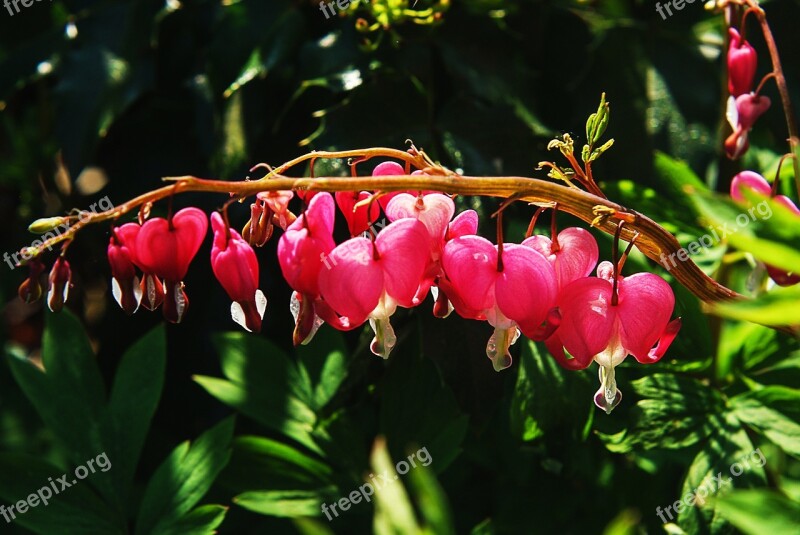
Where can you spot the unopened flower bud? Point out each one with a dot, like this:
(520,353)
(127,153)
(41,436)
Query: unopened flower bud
(59,284)
(46,224)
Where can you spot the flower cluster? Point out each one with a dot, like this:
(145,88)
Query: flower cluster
(541,287)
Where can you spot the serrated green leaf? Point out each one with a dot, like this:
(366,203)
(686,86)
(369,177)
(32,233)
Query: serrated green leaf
(773,411)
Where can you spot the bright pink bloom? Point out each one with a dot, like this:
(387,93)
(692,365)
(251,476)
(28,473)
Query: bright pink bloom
(520,293)
(593,328)
(124,282)
(574,257)
(370,279)
(755,182)
(235,265)
(166,249)
(359,218)
(304,248)
(60,281)
(388,169)
(742,113)
(742,62)
(434,211)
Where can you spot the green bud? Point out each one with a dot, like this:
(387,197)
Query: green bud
(46,224)
(601,149)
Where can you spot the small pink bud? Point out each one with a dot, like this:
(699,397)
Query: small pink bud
(742,61)
(59,284)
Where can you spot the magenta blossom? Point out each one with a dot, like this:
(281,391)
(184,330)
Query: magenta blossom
(303,252)
(235,265)
(755,182)
(595,326)
(742,62)
(166,248)
(434,211)
(124,282)
(573,255)
(151,290)
(359,217)
(370,279)
(742,113)
(515,294)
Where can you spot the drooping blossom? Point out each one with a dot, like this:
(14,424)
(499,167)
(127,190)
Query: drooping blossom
(742,62)
(595,328)
(278,203)
(59,283)
(165,249)
(757,183)
(516,294)
(357,210)
(368,280)
(303,251)
(235,265)
(573,255)
(434,211)
(124,282)
(742,113)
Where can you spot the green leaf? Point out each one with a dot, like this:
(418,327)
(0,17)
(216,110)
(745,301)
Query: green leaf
(133,401)
(728,460)
(282,503)
(538,404)
(776,307)
(184,478)
(263,383)
(760,512)
(324,361)
(76,510)
(412,387)
(69,395)
(676,412)
(773,411)
(203,520)
(263,463)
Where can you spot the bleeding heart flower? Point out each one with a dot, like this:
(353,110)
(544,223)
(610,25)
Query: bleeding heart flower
(518,292)
(742,113)
(755,182)
(573,255)
(124,282)
(151,288)
(235,265)
(434,211)
(594,327)
(303,251)
(166,248)
(60,281)
(742,62)
(370,279)
(359,218)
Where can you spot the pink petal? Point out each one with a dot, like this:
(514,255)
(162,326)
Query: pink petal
(526,288)
(470,263)
(645,306)
(403,257)
(464,224)
(167,252)
(353,283)
(358,220)
(587,318)
(749,180)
